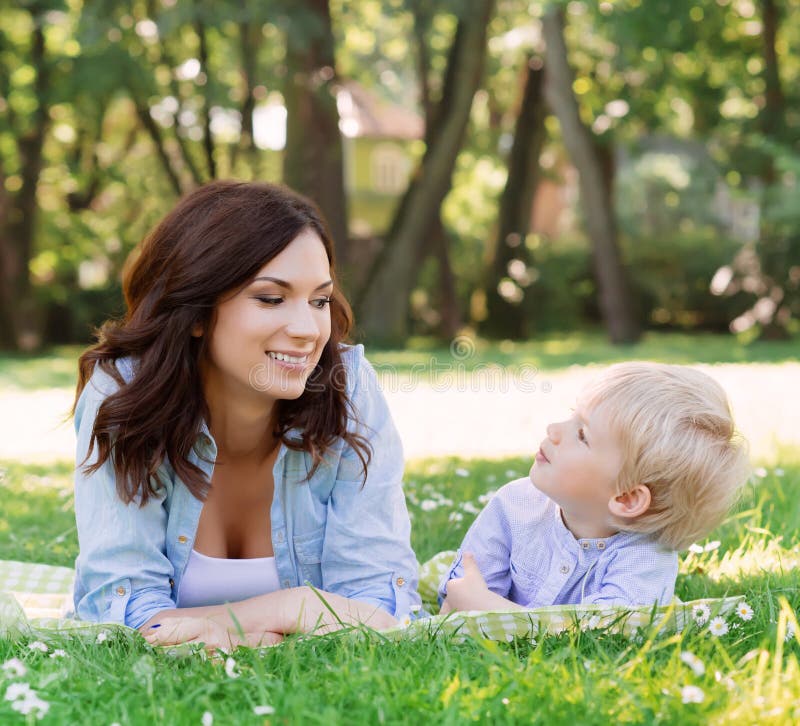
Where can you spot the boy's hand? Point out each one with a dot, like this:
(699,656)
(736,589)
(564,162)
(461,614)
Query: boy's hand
(472,593)
(469,592)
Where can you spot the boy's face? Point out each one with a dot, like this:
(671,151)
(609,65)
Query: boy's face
(579,463)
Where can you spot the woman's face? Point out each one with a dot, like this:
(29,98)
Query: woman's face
(268,338)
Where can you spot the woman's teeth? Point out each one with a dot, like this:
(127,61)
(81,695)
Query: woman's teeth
(288,358)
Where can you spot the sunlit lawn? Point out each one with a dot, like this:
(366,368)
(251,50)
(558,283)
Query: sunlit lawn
(748,675)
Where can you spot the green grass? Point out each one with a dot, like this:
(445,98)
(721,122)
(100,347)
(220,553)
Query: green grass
(592,677)
(560,351)
(57,367)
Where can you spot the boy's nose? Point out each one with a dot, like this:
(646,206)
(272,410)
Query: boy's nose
(554,432)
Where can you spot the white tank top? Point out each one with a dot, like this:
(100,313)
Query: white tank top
(217,580)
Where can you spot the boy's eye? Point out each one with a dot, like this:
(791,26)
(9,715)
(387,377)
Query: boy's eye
(582,435)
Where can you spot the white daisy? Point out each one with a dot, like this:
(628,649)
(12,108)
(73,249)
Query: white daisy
(697,665)
(455,517)
(789,631)
(14,668)
(38,645)
(207,718)
(230,668)
(692,694)
(462,472)
(428,505)
(263,710)
(58,653)
(701,613)
(32,704)
(696,549)
(718,626)
(102,636)
(744,611)
(18,690)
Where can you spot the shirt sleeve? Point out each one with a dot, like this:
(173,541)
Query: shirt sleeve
(367,553)
(122,572)
(639,574)
(488,539)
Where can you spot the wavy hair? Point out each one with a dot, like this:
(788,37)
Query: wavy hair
(213,242)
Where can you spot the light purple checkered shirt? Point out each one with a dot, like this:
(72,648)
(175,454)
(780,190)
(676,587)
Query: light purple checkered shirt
(527,555)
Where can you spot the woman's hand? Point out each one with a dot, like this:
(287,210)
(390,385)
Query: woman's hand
(470,592)
(174,630)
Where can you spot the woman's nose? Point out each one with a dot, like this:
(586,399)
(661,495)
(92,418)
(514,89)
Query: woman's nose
(302,323)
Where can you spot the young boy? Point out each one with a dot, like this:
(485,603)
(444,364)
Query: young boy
(648,463)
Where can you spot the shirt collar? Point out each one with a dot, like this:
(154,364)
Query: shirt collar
(585,545)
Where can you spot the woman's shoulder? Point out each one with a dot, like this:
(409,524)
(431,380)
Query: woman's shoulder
(359,373)
(102,384)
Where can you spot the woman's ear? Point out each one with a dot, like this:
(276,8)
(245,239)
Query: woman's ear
(630,504)
(197,330)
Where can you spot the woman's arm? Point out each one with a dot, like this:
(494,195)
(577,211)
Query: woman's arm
(366,553)
(122,573)
(263,620)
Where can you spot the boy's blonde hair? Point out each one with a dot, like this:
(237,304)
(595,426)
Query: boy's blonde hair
(676,430)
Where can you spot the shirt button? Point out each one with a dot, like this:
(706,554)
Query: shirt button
(564,569)
(400,582)
(601,545)
(182,539)
(585,545)
(286,583)
(279,536)
(120,591)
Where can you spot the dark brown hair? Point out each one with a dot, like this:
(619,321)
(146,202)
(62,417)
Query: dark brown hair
(213,242)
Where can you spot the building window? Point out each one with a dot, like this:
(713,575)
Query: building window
(390,167)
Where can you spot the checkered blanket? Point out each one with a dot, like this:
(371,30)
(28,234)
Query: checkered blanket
(36,600)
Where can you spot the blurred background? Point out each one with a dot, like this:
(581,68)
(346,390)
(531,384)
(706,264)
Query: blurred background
(507,168)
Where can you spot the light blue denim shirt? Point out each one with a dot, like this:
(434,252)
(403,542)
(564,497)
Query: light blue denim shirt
(329,530)
(527,555)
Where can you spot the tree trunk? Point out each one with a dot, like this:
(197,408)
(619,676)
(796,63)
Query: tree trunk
(774,108)
(383,304)
(208,141)
(313,161)
(614,296)
(19,316)
(449,310)
(505,318)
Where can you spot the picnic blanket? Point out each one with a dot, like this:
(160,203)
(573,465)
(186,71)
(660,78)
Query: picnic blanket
(36,601)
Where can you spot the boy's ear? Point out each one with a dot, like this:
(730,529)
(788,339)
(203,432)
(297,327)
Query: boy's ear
(630,504)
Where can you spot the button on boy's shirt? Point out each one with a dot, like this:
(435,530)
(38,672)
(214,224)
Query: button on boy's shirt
(526,554)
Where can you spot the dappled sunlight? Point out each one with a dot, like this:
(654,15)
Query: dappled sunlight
(756,554)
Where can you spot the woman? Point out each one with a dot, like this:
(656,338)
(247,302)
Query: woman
(231,448)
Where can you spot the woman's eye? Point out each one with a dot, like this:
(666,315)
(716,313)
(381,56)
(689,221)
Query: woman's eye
(269,299)
(321,302)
